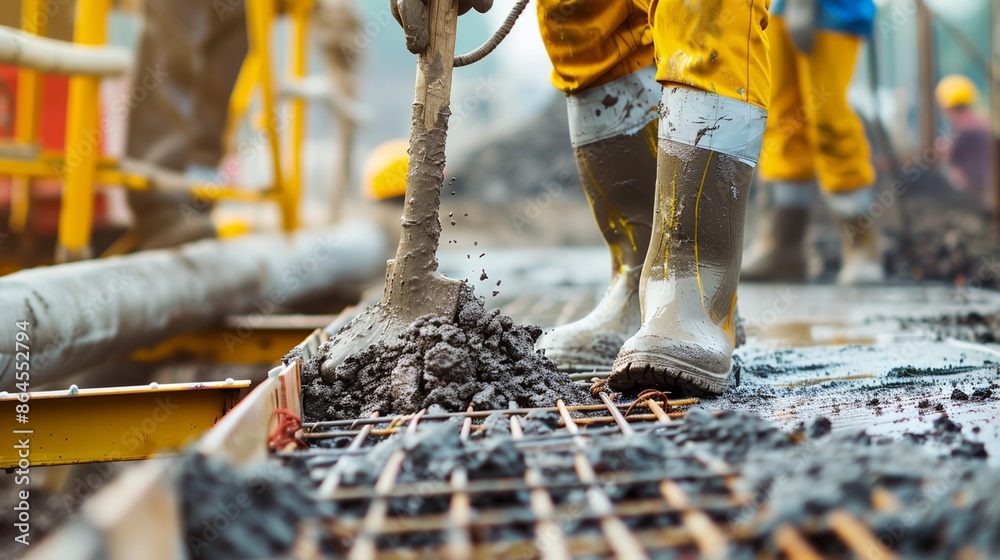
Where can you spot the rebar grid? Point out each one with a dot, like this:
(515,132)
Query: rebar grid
(547,524)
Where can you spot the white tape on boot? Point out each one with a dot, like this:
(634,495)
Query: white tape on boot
(852,204)
(711,121)
(791,194)
(623,106)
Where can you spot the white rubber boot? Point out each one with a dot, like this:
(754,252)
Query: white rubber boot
(592,343)
(613,143)
(775,253)
(860,257)
(689,279)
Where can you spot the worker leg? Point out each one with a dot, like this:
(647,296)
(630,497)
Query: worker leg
(843,157)
(712,59)
(787,153)
(176,123)
(787,169)
(593,42)
(602,57)
(160,122)
(222,49)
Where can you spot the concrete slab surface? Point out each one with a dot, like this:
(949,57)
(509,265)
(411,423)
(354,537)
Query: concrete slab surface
(886,359)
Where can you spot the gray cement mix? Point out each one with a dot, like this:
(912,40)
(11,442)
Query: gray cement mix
(232,514)
(939,478)
(480,358)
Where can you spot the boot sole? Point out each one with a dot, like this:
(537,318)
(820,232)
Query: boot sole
(658,371)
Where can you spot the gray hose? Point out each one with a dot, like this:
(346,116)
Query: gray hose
(493,42)
(93,312)
(60,57)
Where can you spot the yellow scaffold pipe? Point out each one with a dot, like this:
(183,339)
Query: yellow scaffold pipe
(82,141)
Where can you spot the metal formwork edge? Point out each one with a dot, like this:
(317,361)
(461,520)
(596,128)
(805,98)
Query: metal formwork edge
(138,514)
(114,424)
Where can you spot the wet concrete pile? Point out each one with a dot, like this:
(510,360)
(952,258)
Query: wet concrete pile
(480,358)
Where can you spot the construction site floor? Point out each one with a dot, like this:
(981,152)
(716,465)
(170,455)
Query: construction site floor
(887,359)
(913,363)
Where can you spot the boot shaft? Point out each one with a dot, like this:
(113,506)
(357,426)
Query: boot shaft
(613,129)
(618,175)
(698,224)
(776,252)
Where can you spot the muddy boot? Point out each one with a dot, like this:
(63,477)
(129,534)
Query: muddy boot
(615,146)
(776,253)
(860,258)
(689,279)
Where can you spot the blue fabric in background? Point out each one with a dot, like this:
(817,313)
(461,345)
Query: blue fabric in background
(856,17)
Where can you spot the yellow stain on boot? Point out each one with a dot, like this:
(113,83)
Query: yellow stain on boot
(628,229)
(729,326)
(617,259)
(669,227)
(697,204)
(616,218)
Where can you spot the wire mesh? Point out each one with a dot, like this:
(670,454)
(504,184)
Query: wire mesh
(569,507)
(563,504)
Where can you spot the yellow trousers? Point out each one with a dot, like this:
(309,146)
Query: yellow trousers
(717,46)
(811,130)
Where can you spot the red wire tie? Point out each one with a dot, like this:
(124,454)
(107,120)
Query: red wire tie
(284,433)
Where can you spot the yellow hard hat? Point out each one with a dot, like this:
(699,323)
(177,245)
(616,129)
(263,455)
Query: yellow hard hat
(956,90)
(384,173)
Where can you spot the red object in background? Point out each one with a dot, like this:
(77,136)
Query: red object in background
(44,219)
(6,109)
(52,107)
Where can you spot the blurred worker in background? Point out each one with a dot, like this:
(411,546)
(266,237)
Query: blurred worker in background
(383,181)
(969,166)
(667,106)
(384,172)
(179,125)
(813,136)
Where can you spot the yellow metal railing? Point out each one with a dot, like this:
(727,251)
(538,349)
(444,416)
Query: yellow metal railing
(25,120)
(82,145)
(81,167)
(299,12)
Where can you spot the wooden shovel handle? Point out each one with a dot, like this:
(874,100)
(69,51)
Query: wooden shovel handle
(416,259)
(434,66)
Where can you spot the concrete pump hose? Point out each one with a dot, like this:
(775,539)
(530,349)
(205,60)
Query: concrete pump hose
(26,50)
(91,313)
(493,42)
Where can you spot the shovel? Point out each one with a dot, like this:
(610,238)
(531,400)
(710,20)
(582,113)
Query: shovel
(413,286)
